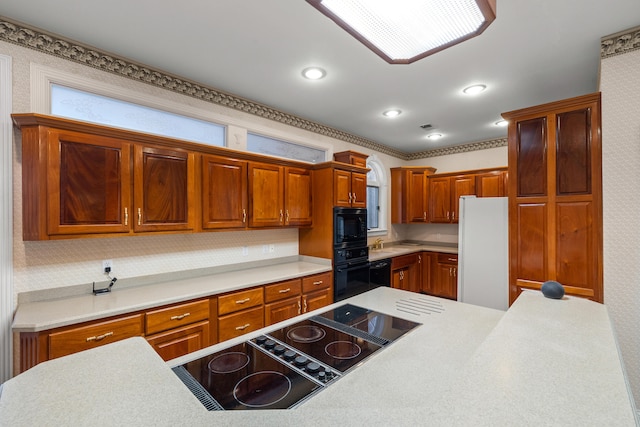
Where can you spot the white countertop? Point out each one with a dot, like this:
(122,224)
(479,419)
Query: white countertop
(42,315)
(544,362)
(390,251)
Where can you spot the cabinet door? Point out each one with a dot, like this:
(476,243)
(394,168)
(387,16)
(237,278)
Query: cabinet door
(266,195)
(178,342)
(426,273)
(342,188)
(164,189)
(315,300)
(224,192)
(464,185)
(417,201)
(440,199)
(358,190)
(88,184)
(297,196)
(491,184)
(282,310)
(242,322)
(94,334)
(397,278)
(445,283)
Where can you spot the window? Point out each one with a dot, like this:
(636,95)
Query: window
(90,107)
(289,150)
(376,197)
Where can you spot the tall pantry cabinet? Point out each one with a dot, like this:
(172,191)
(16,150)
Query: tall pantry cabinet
(555,197)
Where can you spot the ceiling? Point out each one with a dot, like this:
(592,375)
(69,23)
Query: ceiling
(534,52)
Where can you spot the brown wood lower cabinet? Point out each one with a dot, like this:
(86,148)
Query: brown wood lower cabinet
(87,336)
(178,329)
(444,281)
(288,299)
(240,323)
(178,342)
(405,272)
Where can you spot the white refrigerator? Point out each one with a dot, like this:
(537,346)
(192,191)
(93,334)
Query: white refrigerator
(483,252)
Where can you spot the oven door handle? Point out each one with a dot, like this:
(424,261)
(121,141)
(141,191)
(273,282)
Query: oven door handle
(351,266)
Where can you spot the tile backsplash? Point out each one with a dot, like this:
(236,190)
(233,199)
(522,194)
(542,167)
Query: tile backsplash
(55,264)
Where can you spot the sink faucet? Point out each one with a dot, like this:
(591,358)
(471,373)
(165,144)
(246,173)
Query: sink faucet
(378,244)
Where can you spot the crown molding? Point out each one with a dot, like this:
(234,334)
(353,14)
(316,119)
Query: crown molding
(620,43)
(476,146)
(36,39)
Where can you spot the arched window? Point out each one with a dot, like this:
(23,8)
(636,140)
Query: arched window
(376,197)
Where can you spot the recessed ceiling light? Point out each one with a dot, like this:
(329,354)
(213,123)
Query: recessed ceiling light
(392,113)
(403,32)
(434,136)
(501,123)
(474,90)
(314,73)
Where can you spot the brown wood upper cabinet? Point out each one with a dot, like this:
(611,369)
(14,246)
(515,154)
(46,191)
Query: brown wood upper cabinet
(555,197)
(279,195)
(445,193)
(163,189)
(410,194)
(224,192)
(75,183)
(349,189)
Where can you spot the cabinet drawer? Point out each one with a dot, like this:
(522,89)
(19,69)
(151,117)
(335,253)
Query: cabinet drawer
(94,335)
(237,324)
(316,282)
(448,258)
(240,300)
(176,316)
(282,290)
(181,341)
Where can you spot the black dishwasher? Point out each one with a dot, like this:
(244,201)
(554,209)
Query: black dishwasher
(380,273)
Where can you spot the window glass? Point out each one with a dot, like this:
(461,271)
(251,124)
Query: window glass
(373,207)
(89,107)
(275,147)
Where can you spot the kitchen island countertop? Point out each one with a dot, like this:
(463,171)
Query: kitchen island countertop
(543,362)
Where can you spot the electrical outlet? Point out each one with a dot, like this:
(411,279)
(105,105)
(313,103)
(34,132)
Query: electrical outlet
(245,250)
(107,266)
(272,248)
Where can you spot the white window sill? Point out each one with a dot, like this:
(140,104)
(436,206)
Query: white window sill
(377,232)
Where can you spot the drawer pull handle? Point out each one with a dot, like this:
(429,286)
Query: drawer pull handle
(243,327)
(452,259)
(242,301)
(319,282)
(180,317)
(244,216)
(284,291)
(99,337)
(139,216)
(299,308)
(305,305)
(126,216)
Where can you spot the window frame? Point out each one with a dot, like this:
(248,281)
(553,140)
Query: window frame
(377,177)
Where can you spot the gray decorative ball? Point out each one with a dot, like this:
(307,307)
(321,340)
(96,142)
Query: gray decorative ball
(552,289)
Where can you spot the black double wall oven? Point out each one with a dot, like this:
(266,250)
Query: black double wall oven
(351,254)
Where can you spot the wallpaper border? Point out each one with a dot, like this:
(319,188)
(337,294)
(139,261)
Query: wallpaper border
(36,39)
(620,43)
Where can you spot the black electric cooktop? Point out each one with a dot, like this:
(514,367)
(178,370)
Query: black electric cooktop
(284,367)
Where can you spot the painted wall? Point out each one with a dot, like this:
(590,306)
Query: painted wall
(620,87)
